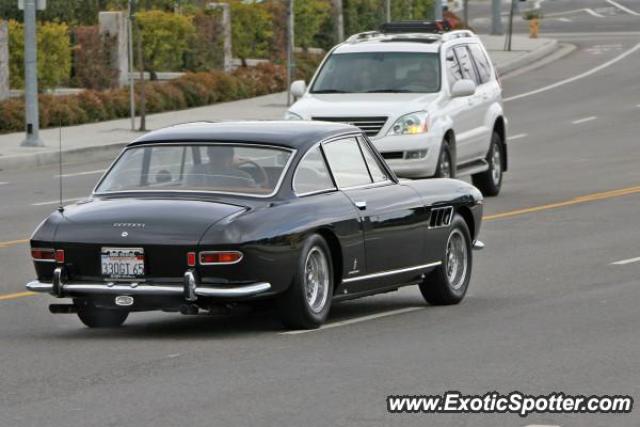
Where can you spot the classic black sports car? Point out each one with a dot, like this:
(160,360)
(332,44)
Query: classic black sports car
(198,216)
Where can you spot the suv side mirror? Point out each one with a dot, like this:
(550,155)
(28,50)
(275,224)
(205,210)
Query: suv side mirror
(464,87)
(298,88)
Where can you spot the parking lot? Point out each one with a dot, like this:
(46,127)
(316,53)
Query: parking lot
(552,305)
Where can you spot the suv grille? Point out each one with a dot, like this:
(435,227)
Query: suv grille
(370,125)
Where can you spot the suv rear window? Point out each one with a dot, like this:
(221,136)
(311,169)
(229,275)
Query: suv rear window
(379,72)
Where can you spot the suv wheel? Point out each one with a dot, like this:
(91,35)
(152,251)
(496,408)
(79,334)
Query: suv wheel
(490,181)
(445,167)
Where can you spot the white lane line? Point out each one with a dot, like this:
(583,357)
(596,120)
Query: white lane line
(626,261)
(518,136)
(623,8)
(593,13)
(577,77)
(541,425)
(55,202)
(564,19)
(584,120)
(5,183)
(638,105)
(355,320)
(68,175)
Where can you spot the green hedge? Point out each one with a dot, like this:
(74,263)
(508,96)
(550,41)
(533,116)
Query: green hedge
(54,54)
(190,90)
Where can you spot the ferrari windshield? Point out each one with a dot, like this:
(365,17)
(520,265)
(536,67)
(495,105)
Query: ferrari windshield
(223,168)
(379,72)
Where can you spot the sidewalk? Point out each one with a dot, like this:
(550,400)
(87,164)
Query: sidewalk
(103,140)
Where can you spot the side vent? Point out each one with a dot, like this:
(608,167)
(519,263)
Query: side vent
(441,217)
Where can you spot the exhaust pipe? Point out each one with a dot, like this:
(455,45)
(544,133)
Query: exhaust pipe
(62,308)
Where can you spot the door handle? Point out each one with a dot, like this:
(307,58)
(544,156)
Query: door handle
(361,205)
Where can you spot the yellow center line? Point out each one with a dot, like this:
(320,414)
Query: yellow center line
(13,242)
(16,295)
(577,200)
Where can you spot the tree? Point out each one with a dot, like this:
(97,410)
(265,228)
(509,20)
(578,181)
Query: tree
(166,37)
(310,15)
(252,30)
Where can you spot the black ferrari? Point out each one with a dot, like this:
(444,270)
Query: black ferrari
(201,216)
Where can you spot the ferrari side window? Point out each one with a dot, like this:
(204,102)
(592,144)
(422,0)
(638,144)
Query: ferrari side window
(346,163)
(374,167)
(312,175)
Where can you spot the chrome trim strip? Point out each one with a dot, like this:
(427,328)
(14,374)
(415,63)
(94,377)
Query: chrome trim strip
(218,252)
(275,191)
(391,272)
(123,289)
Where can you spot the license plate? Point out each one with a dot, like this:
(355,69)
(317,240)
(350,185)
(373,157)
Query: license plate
(122,263)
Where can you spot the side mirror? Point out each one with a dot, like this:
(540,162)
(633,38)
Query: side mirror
(464,87)
(298,88)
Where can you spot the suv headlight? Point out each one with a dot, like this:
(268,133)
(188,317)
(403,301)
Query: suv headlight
(292,116)
(410,124)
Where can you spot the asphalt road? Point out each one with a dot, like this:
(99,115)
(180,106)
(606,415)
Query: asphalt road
(547,309)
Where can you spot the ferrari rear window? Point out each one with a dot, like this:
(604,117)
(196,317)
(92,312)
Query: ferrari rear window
(223,168)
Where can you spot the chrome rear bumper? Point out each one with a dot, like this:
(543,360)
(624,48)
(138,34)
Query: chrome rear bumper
(190,289)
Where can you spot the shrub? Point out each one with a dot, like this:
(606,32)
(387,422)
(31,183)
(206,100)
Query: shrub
(190,90)
(207,51)
(92,67)
(252,30)
(367,15)
(54,54)
(310,15)
(166,38)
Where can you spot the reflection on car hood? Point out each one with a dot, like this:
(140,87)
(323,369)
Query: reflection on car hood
(362,104)
(132,221)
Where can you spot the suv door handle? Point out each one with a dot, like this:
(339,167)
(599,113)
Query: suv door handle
(361,205)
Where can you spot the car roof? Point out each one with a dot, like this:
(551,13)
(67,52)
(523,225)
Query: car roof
(375,41)
(288,134)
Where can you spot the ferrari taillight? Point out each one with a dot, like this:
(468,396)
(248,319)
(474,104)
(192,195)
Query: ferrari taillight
(60,256)
(45,255)
(220,257)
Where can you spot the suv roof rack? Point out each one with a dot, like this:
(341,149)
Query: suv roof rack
(433,27)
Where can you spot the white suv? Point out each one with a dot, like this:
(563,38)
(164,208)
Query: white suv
(430,102)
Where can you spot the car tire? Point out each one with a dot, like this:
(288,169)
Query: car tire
(489,182)
(447,284)
(445,168)
(95,317)
(306,303)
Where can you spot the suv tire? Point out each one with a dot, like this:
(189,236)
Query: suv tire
(490,181)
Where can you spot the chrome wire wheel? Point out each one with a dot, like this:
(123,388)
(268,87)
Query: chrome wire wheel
(496,170)
(457,259)
(316,279)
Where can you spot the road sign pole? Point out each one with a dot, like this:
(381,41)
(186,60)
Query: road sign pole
(32,122)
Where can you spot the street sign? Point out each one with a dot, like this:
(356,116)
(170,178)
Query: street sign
(40,4)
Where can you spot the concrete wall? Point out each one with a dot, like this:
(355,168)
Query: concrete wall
(4,60)
(114,24)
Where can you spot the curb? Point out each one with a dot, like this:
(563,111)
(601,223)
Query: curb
(529,58)
(76,155)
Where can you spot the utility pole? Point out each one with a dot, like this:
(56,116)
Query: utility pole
(507,43)
(143,107)
(387,10)
(132,97)
(290,45)
(32,122)
(465,13)
(496,19)
(339,20)
(437,10)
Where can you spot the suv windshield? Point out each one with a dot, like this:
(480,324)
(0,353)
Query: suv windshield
(371,72)
(223,168)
